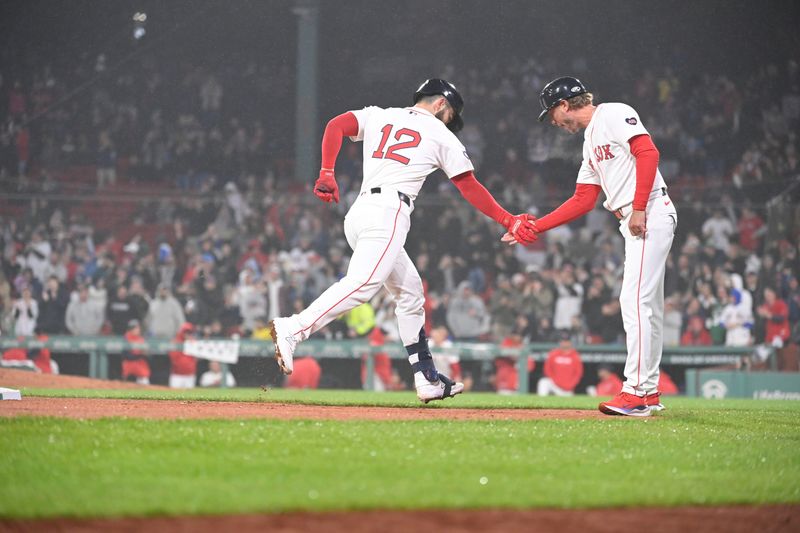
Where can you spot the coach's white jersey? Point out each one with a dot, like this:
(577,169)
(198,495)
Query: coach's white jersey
(403,145)
(607,158)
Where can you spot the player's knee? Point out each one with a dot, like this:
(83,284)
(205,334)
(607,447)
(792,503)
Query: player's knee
(640,308)
(409,304)
(369,289)
(362,285)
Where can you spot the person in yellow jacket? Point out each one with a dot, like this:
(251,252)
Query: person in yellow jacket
(260,329)
(360,321)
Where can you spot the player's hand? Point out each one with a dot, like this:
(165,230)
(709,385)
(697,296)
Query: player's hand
(637,224)
(508,239)
(521,229)
(325,187)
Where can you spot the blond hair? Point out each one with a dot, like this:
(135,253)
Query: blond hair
(582,100)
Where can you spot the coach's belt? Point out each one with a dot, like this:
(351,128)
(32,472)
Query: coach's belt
(403,196)
(625,210)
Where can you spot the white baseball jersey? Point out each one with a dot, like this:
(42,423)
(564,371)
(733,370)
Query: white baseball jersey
(607,158)
(402,146)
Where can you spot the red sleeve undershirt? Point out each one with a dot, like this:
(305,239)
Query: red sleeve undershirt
(477,195)
(646,155)
(581,203)
(339,127)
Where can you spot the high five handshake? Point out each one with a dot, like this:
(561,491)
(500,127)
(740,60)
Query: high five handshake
(521,229)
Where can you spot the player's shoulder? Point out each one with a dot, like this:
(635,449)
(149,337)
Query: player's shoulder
(367,111)
(390,113)
(613,109)
(617,114)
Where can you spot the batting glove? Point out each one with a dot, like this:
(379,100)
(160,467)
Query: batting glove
(325,187)
(521,229)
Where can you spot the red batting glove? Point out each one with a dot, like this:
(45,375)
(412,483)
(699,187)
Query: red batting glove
(522,228)
(325,187)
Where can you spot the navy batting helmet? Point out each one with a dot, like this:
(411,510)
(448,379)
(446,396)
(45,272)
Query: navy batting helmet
(559,89)
(436,86)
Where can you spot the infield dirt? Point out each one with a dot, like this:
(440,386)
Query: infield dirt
(174,409)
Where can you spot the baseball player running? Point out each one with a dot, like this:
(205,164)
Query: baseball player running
(620,159)
(401,147)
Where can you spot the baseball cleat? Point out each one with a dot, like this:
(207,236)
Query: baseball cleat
(443,388)
(285,344)
(653,401)
(625,404)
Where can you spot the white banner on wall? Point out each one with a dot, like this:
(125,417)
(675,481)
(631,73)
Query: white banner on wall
(223,351)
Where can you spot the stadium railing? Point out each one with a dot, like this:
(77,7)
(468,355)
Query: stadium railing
(98,349)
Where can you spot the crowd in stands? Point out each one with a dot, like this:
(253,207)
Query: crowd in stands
(241,245)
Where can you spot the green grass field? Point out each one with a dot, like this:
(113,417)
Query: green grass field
(697,452)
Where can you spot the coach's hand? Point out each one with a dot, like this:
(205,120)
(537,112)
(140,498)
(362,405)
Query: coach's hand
(325,187)
(521,229)
(637,224)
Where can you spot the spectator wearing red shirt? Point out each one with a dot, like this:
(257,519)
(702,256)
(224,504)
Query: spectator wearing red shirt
(306,374)
(253,252)
(696,333)
(183,373)
(41,357)
(20,356)
(506,377)
(134,359)
(609,385)
(37,359)
(775,311)
(384,378)
(563,370)
(665,384)
(751,229)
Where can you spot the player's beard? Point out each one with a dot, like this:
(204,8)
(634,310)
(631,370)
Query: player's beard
(570,125)
(567,123)
(441,114)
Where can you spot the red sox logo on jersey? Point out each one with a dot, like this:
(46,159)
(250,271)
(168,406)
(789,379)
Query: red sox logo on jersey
(603,152)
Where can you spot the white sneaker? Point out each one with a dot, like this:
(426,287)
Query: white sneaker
(653,401)
(438,390)
(285,343)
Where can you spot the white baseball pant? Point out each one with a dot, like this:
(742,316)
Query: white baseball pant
(376,228)
(546,386)
(180,381)
(642,295)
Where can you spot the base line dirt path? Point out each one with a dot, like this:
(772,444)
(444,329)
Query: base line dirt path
(772,519)
(175,409)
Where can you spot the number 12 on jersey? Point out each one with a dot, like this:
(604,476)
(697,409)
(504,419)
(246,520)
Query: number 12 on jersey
(391,151)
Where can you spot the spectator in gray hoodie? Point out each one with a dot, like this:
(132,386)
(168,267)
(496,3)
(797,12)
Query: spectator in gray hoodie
(467,315)
(84,315)
(165,316)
